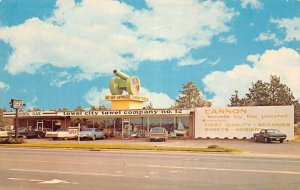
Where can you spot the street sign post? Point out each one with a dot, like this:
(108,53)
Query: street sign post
(16,104)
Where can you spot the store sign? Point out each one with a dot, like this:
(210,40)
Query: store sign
(30,114)
(240,122)
(16,104)
(126,97)
(125,112)
(183,112)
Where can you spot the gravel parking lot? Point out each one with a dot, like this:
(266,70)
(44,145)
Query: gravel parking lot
(288,148)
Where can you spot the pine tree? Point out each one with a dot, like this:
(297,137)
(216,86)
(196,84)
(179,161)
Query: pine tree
(272,93)
(191,97)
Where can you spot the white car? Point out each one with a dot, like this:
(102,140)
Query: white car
(63,133)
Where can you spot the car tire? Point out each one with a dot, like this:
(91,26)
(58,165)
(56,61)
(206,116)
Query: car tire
(255,139)
(281,141)
(266,140)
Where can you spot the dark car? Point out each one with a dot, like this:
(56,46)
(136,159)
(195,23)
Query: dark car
(158,133)
(268,135)
(30,133)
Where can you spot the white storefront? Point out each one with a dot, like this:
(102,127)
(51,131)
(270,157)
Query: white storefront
(242,122)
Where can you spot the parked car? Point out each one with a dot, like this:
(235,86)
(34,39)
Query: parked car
(92,134)
(268,135)
(63,133)
(158,133)
(3,133)
(30,133)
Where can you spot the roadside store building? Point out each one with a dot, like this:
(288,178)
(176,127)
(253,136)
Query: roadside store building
(213,122)
(118,122)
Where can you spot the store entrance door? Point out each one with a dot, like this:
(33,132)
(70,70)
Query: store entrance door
(126,129)
(40,125)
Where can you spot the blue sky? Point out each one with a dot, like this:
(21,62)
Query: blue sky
(56,54)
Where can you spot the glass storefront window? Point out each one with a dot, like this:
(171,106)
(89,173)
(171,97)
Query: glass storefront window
(113,126)
(154,122)
(168,123)
(139,126)
(182,122)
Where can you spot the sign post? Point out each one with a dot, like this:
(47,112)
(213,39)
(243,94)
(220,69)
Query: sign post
(16,104)
(78,133)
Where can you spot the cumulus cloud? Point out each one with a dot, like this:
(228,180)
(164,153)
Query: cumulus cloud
(229,39)
(96,96)
(284,62)
(157,99)
(3,86)
(290,26)
(96,37)
(254,4)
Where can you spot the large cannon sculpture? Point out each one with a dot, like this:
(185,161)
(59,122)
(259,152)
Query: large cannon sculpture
(124,83)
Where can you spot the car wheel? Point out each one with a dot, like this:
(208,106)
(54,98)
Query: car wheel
(281,141)
(266,140)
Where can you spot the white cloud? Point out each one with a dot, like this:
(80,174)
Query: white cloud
(284,62)
(215,62)
(94,96)
(254,4)
(190,61)
(291,27)
(31,103)
(96,37)
(264,36)
(159,100)
(61,78)
(229,39)
(3,86)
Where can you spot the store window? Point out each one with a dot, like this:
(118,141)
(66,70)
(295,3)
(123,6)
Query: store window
(168,123)
(113,126)
(139,126)
(154,122)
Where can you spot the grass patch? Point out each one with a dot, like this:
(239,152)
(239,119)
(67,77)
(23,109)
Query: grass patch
(124,147)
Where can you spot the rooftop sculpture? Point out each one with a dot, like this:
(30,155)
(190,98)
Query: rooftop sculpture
(124,83)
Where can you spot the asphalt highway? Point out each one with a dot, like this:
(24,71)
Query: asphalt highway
(23,168)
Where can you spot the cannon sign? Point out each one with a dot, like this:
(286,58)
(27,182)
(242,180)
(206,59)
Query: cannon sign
(124,83)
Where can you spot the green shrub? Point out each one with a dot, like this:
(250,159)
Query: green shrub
(213,146)
(11,140)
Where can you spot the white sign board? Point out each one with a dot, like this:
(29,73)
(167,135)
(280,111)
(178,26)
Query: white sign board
(240,122)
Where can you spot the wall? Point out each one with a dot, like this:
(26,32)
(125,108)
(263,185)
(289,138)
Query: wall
(240,122)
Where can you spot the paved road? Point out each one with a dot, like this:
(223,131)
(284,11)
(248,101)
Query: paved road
(32,169)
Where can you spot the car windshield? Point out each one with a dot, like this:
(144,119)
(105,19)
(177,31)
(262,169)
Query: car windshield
(157,130)
(276,131)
